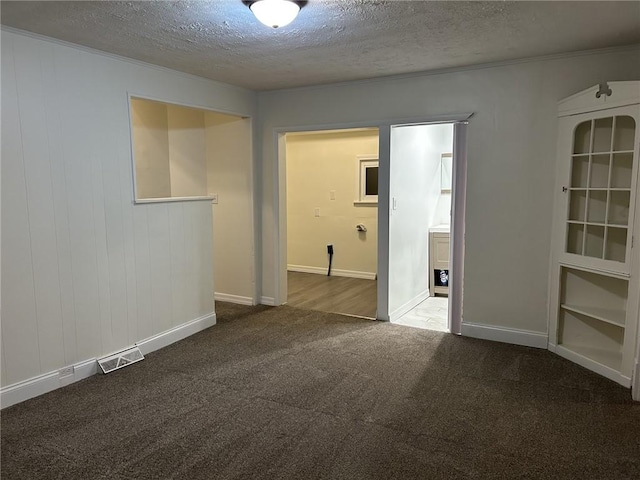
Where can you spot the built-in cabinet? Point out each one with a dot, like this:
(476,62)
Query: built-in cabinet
(594,271)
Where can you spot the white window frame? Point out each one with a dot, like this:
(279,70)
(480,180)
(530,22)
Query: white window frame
(362,163)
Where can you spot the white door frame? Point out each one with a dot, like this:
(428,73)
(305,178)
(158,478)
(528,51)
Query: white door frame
(457,212)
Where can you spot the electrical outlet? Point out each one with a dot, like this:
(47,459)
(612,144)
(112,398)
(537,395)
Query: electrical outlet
(65,372)
(332,195)
(316,212)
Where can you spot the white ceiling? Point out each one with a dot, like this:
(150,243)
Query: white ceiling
(331,40)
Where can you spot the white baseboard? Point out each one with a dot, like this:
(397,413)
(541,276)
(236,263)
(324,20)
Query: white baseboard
(335,272)
(270,301)
(34,387)
(399,312)
(173,335)
(227,297)
(505,335)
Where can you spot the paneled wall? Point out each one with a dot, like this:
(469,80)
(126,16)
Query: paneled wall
(85,272)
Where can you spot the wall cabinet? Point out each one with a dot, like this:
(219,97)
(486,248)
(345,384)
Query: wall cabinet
(594,270)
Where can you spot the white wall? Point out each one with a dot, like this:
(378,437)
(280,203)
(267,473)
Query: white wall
(318,164)
(229,173)
(85,271)
(511,145)
(151,148)
(416,152)
(187,156)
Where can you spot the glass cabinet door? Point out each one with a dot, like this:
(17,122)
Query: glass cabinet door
(600,188)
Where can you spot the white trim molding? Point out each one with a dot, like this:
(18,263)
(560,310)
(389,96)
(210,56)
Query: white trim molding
(227,297)
(175,334)
(334,272)
(400,311)
(270,301)
(34,387)
(515,336)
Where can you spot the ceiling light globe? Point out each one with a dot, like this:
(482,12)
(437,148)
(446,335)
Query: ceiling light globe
(275,13)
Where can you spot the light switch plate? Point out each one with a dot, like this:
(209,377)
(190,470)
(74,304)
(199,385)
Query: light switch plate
(316,212)
(214,198)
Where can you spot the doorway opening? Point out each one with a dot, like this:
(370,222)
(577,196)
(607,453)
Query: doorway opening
(393,262)
(420,225)
(332,220)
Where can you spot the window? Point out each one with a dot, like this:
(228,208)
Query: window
(367,174)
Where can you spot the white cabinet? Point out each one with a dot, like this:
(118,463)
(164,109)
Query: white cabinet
(594,270)
(439,261)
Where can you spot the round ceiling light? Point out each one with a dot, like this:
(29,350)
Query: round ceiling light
(275,13)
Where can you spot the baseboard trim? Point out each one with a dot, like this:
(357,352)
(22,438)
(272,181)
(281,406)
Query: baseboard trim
(34,387)
(335,272)
(515,336)
(270,301)
(227,297)
(45,383)
(176,334)
(399,312)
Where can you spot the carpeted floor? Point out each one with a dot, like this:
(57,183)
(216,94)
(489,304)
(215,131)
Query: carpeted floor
(283,393)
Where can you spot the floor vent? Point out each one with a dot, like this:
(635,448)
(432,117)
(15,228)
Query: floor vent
(120,359)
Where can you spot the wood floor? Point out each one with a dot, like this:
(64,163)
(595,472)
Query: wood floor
(353,296)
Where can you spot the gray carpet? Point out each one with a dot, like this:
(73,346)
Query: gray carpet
(283,393)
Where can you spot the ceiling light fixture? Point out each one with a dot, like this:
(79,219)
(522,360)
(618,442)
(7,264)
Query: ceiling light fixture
(275,13)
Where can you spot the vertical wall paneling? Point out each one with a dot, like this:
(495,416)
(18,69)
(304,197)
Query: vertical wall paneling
(143,271)
(86,271)
(20,335)
(108,163)
(203,232)
(79,170)
(159,248)
(108,280)
(192,309)
(114,115)
(176,253)
(37,170)
(52,107)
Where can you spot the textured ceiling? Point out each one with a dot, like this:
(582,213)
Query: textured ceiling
(331,40)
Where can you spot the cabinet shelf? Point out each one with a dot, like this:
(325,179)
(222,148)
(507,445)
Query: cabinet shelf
(613,316)
(600,189)
(610,359)
(597,224)
(592,318)
(601,153)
